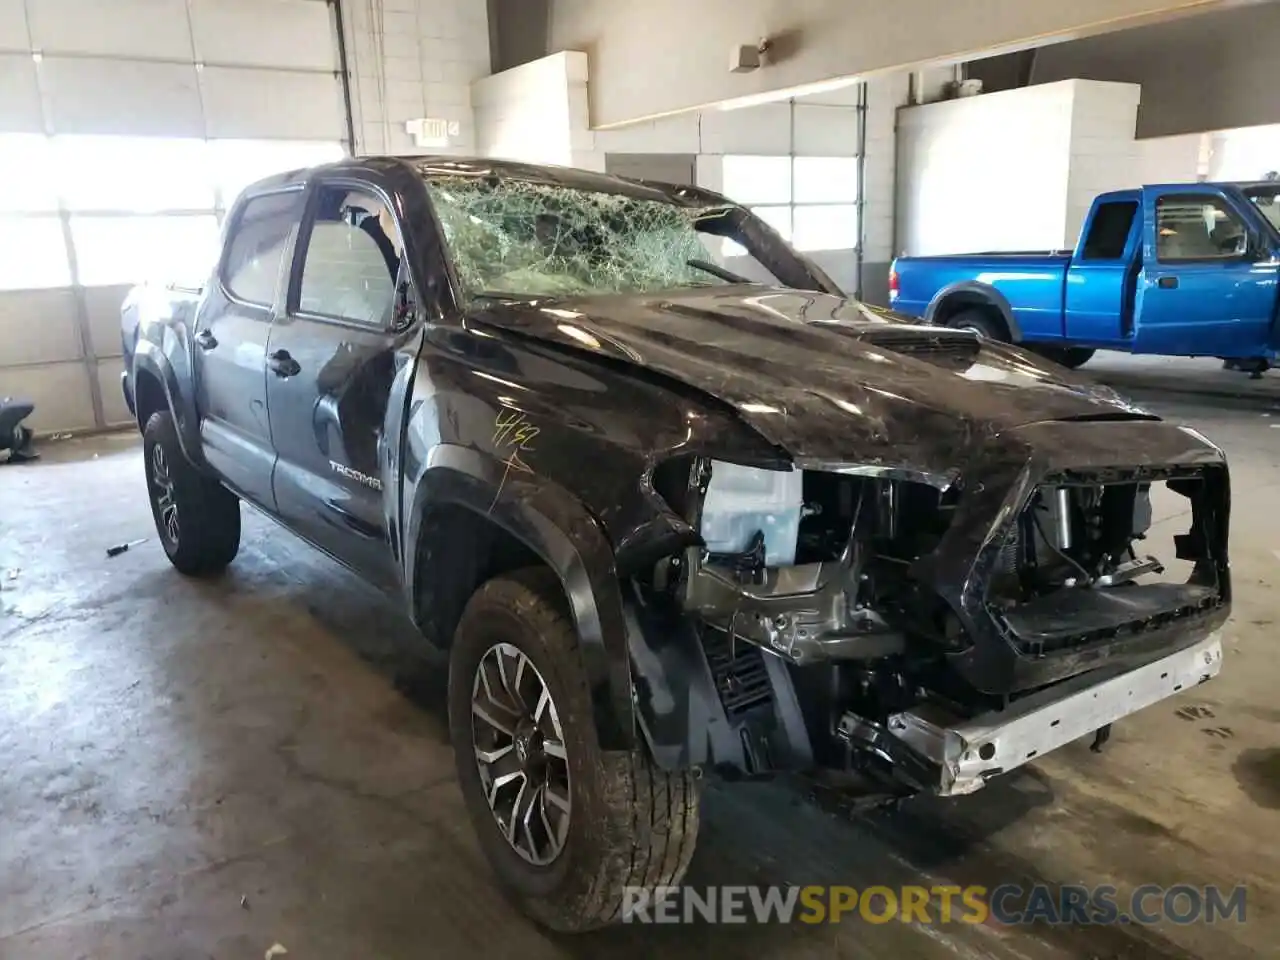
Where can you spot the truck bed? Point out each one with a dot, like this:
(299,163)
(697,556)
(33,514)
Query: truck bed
(1031,281)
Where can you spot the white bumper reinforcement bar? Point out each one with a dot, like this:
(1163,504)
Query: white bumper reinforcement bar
(969,752)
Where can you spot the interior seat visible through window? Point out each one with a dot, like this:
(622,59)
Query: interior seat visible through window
(351,261)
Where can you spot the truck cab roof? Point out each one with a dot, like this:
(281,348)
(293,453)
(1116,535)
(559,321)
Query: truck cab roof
(431,166)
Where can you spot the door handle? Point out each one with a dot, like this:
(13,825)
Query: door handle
(282,364)
(1167,283)
(205,339)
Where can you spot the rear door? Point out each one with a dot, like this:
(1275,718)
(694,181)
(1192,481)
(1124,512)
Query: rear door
(332,358)
(231,332)
(1100,281)
(1205,287)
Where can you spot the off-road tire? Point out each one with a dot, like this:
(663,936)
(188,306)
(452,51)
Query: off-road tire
(208,514)
(631,824)
(1073,358)
(1070,357)
(985,322)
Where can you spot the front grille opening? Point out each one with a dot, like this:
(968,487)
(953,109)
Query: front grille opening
(1100,557)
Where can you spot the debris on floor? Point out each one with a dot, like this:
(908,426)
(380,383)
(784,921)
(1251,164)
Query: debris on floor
(276,950)
(120,548)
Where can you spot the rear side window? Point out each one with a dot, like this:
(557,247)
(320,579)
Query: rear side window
(1109,231)
(352,258)
(256,248)
(1198,227)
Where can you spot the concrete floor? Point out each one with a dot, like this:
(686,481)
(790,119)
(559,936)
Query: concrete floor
(193,770)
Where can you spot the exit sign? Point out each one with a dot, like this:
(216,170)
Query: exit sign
(432,131)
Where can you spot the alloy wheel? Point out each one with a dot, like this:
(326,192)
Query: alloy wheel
(166,505)
(520,752)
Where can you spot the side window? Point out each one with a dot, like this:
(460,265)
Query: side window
(257,244)
(1198,227)
(352,258)
(1109,231)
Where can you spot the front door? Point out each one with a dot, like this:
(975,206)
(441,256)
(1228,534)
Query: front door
(1098,303)
(230,334)
(332,358)
(1205,289)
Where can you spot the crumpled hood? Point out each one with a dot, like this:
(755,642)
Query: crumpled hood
(829,380)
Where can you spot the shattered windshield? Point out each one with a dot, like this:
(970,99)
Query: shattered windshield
(519,238)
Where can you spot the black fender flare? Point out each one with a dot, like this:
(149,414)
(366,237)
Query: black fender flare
(559,529)
(980,291)
(149,358)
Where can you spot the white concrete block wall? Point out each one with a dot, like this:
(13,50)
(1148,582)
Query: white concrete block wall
(1170,159)
(537,112)
(1104,154)
(411,59)
(986,173)
(1020,169)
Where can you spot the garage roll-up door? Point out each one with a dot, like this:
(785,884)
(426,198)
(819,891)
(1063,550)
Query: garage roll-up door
(126,129)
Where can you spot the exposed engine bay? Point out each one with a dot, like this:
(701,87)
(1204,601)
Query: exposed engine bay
(904,608)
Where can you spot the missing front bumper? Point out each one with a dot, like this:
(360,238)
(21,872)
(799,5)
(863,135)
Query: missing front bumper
(961,755)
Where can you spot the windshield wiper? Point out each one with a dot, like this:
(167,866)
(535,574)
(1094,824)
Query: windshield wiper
(728,276)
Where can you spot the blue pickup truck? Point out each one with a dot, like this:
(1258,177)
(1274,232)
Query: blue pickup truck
(1176,269)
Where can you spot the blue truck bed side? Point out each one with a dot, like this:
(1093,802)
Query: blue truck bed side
(1027,287)
(1176,269)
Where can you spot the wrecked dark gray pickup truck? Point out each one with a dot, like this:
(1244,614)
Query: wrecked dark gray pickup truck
(671,502)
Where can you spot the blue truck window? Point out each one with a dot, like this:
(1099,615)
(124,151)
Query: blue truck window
(1109,231)
(1191,227)
(1264,201)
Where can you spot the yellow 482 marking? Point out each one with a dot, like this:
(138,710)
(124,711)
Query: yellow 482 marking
(512,429)
(514,434)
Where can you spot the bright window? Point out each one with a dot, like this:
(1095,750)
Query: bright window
(33,253)
(826,179)
(141,208)
(777,217)
(134,249)
(134,174)
(28,182)
(238,163)
(811,201)
(757,180)
(832,226)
